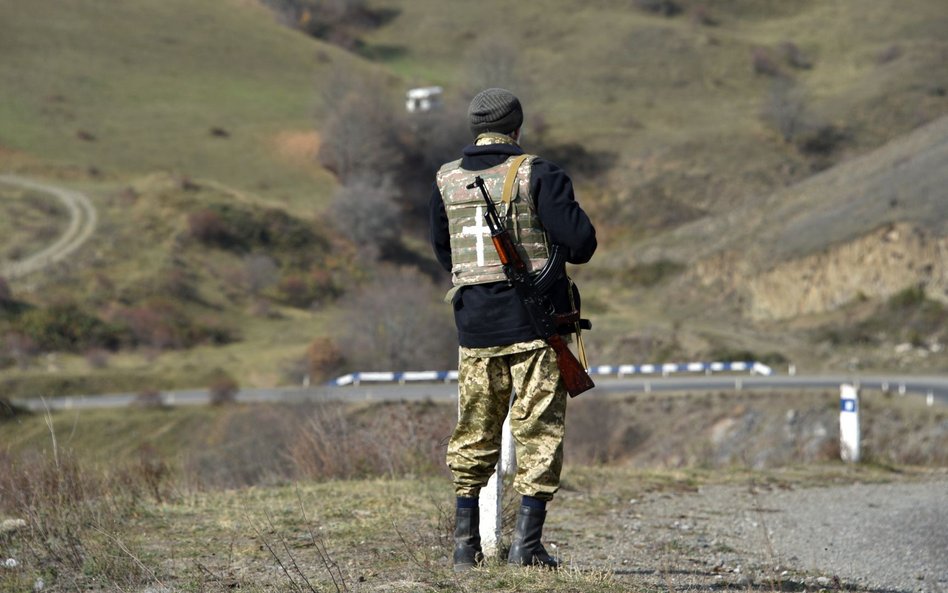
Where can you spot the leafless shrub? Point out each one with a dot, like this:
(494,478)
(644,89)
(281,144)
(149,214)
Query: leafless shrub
(361,130)
(21,348)
(398,322)
(207,226)
(785,109)
(764,64)
(154,472)
(307,290)
(70,512)
(662,7)
(337,21)
(492,62)
(222,389)
(259,273)
(323,358)
(8,410)
(97,358)
(388,440)
(794,56)
(6,294)
(701,15)
(889,54)
(599,434)
(149,398)
(366,213)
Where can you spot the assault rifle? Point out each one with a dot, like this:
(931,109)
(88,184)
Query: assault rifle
(539,307)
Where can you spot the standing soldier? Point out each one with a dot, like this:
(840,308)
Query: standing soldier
(500,349)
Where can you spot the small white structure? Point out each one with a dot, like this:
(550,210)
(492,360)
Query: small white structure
(849,423)
(423,99)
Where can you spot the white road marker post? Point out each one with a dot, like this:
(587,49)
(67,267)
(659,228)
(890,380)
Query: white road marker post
(491,500)
(849,423)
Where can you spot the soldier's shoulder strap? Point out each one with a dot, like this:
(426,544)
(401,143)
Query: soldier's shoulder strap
(511,177)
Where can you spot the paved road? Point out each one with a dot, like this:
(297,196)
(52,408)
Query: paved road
(936,386)
(82,223)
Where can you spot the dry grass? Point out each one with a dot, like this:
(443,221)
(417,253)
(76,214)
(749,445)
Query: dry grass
(355,498)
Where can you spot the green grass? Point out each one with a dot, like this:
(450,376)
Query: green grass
(149,82)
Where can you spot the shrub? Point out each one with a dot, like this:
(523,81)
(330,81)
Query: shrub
(239,229)
(366,213)
(164,324)
(67,327)
(308,290)
(222,389)
(6,295)
(390,440)
(8,410)
(820,139)
(662,7)
(398,322)
(785,109)
(207,226)
(794,56)
(650,274)
(338,21)
(763,63)
(889,54)
(322,359)
(70,513)
(149,398)
(701,15)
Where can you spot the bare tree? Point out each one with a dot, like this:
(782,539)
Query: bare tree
(260,273)
(785,109)
(366,213)
(398,322)
(492,62)
(362,128)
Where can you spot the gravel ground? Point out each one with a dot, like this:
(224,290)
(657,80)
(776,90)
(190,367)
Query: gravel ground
(877,537)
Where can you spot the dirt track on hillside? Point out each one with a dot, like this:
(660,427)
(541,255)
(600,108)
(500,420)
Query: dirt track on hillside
(82,224)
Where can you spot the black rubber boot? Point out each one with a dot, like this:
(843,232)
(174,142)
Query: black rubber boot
(467,539)
(526,549)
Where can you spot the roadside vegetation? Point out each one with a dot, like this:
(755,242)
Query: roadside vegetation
(355,497)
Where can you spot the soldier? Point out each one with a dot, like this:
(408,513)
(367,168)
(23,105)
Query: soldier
(499,349)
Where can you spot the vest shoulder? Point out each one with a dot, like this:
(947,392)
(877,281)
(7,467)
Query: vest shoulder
(449,166)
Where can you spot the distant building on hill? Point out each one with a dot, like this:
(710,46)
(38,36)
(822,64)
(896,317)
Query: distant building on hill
(423,99)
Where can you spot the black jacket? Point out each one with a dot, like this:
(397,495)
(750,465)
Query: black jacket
(491,314)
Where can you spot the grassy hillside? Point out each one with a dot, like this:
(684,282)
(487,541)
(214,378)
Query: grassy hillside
(671,121)
(133,89)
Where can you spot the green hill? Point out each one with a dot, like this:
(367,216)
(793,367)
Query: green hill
(683,123)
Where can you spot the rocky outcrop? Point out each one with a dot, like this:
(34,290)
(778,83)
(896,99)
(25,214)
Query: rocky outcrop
(874,266)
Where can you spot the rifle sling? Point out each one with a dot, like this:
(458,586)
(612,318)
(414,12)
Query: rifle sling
(511,178)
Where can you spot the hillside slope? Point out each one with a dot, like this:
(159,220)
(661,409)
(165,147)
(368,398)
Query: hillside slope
(681,128)
(871,226)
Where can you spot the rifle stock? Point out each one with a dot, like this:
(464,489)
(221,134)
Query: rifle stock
(575,378)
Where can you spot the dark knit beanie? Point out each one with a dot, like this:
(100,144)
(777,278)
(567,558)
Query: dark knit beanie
(495,110)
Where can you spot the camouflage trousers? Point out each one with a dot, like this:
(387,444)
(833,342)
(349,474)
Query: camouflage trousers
(486,377)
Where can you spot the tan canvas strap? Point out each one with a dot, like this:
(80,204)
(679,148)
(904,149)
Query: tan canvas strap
(512,178)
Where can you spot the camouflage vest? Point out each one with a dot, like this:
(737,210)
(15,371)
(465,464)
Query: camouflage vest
(473,256)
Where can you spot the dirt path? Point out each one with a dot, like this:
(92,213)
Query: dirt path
(875,537)
(82,223)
